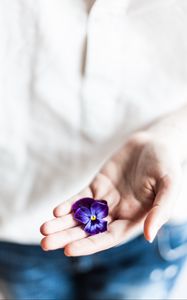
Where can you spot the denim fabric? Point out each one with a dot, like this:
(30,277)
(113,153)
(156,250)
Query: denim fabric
(136,270)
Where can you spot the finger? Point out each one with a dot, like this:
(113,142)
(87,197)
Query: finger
(100,186)
(61,223)
(60,239)
(118,231)
(58,224)
(112,197)
(162,208)
(65,207)
(67,221)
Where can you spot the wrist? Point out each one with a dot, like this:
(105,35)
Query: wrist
(169,135)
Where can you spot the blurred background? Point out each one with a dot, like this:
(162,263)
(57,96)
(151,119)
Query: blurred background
(77,79)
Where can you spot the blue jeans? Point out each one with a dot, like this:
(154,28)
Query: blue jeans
(136,270)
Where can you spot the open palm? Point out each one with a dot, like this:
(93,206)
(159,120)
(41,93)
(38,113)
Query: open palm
(140,183)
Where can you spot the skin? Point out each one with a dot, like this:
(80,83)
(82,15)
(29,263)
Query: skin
(141,183)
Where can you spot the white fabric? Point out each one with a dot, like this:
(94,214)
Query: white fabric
(76,77)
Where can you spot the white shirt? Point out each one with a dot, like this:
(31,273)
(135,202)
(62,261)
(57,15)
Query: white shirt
(76,78)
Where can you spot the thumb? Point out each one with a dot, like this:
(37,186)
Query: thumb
(162,208)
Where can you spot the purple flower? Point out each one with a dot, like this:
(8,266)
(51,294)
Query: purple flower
(90,213)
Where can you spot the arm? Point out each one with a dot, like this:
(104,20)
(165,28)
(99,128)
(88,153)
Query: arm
(141,183)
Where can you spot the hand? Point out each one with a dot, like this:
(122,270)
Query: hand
(140,183)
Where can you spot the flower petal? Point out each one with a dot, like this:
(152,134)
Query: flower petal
(95,227)
(84,202)
(88,226)
(82,215)
(100,209)
(103,225)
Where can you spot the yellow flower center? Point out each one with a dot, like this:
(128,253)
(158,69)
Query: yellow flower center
(93,218)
